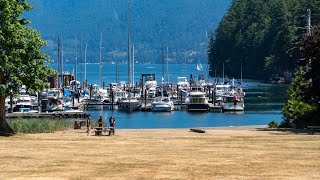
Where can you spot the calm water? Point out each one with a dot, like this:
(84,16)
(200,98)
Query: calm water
(263,101)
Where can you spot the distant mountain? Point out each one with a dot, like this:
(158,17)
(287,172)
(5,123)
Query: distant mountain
(179,24)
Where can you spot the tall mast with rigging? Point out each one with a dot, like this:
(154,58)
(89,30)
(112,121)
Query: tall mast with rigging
(85,63)
(100,67)
(59,62)
(129,47)
(207,44)
(76,62)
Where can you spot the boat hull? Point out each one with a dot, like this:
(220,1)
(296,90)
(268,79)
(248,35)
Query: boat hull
(232,107)
(161,107)
(197,107)
(129,106)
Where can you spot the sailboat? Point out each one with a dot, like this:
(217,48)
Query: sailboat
(130,103)
(199,67)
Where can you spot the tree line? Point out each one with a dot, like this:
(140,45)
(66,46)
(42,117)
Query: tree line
(262,36)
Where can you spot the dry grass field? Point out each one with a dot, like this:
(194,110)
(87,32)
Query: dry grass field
(230,153)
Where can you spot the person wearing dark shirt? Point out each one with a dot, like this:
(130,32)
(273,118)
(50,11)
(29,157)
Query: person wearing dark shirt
(112,121)
(100,122)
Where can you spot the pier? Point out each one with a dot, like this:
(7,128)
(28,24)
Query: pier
(57,114)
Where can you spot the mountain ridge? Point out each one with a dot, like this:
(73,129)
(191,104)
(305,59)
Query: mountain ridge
(179,24)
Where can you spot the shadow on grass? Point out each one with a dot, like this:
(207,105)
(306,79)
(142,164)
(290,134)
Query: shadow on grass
(289,130)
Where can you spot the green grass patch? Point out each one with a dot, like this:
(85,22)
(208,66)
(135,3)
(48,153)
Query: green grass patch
(33,126)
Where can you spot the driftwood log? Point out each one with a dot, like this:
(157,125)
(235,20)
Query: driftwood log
(197,130)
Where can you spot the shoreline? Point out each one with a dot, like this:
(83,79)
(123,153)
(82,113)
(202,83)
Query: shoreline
(250,127)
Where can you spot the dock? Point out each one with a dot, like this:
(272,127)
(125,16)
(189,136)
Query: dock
(215,108)
(56,114)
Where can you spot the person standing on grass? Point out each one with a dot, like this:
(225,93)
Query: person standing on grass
(100,122)
(112,121)
(88,124)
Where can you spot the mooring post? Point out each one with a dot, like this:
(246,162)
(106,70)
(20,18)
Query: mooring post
(90,89)
(134,91)
(112,100)
(209,92)
(111,96)
(181,99)
(214,98)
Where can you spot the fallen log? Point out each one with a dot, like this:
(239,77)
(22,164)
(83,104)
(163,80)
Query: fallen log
(197,130)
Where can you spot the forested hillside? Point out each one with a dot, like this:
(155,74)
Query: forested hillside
(263,35)
(179,24)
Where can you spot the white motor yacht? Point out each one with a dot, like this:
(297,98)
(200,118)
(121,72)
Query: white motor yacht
(183,83)
(197,101)
(162,104)
(233,103)
(129,104)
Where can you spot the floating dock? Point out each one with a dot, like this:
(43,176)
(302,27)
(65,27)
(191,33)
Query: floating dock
(56,114)
(215,108)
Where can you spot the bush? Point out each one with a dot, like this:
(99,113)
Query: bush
(33,126)
(273,124)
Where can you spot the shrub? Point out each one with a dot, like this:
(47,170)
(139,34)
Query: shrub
(39,125)
(273,124)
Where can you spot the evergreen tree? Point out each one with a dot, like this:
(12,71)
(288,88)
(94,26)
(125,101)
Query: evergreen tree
(302,106)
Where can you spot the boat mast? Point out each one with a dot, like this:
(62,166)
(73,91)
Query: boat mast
(117,73)
(167,71)
(207,56)
(100,77)
(129,46)
(132,64)
(85,63)
(62,64)
(185,64)
(59,63)
(241,73)
(76,62)
(223,72)
(162,65)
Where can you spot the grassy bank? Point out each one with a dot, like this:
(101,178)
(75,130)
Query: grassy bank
(40,125)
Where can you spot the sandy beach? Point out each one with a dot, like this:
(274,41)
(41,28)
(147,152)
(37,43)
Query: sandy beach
(220,153)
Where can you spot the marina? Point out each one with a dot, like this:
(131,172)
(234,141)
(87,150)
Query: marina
(263,102)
